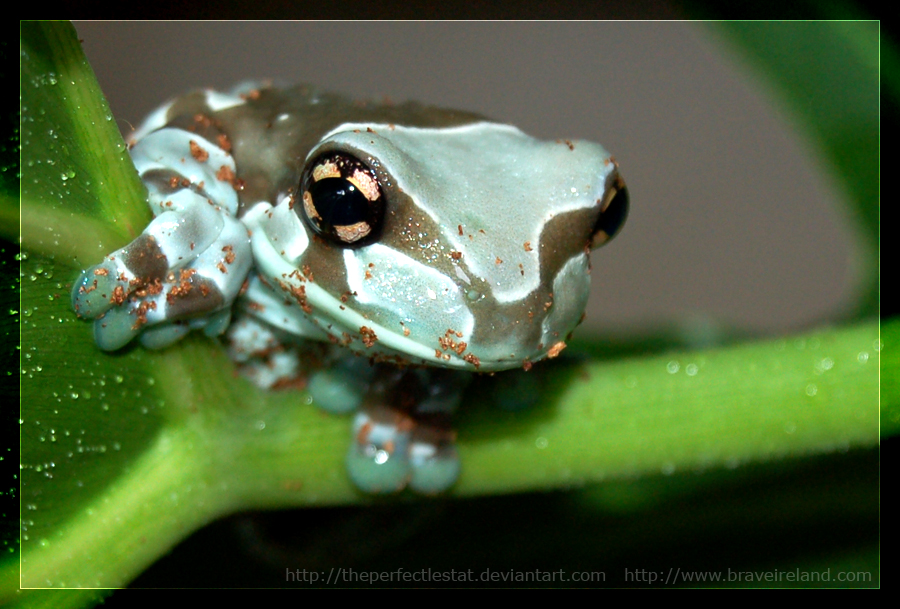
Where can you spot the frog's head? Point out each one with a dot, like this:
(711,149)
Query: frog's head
(464,247)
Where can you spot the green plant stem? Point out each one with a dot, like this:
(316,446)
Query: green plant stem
(772,399)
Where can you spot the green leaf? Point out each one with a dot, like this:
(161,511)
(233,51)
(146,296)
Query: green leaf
(123,455)
(77,177)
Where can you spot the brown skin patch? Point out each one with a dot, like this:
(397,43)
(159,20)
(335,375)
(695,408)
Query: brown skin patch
(145,259)
(193,295)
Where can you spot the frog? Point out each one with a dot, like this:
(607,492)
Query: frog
(377,253)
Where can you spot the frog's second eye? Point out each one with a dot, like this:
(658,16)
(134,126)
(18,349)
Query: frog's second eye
(342,200)
(614,211)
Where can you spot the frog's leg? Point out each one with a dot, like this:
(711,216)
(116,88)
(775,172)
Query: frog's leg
(271,343)
(188,265)
(402,434)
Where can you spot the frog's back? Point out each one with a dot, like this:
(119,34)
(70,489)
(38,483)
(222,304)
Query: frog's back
(271,130)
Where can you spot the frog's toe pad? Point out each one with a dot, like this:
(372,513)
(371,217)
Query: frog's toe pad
(116,328)
(392,451)
(435,466)
(95,291)
(340,388)
(378,461)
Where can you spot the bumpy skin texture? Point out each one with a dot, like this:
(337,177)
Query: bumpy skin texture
(431,242)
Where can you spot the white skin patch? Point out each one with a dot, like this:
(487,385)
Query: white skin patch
(572,281)
(221,101)
(401,290)
(281,226)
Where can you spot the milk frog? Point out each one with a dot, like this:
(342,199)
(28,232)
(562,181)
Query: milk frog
(380,253)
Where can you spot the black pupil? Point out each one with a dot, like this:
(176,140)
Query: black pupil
(338,202)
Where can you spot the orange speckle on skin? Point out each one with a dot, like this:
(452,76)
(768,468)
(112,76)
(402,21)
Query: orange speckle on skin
(225,174)
(197,152)
(556,349)
(229,254)
(224,142)
(368,336)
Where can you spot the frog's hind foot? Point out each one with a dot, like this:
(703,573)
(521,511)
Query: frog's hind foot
(403,435)
(391,451)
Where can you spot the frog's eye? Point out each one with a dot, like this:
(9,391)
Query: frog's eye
(342,200)
(613,212)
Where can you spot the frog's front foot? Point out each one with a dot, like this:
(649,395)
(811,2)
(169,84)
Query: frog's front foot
(188,265)
(135,289)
